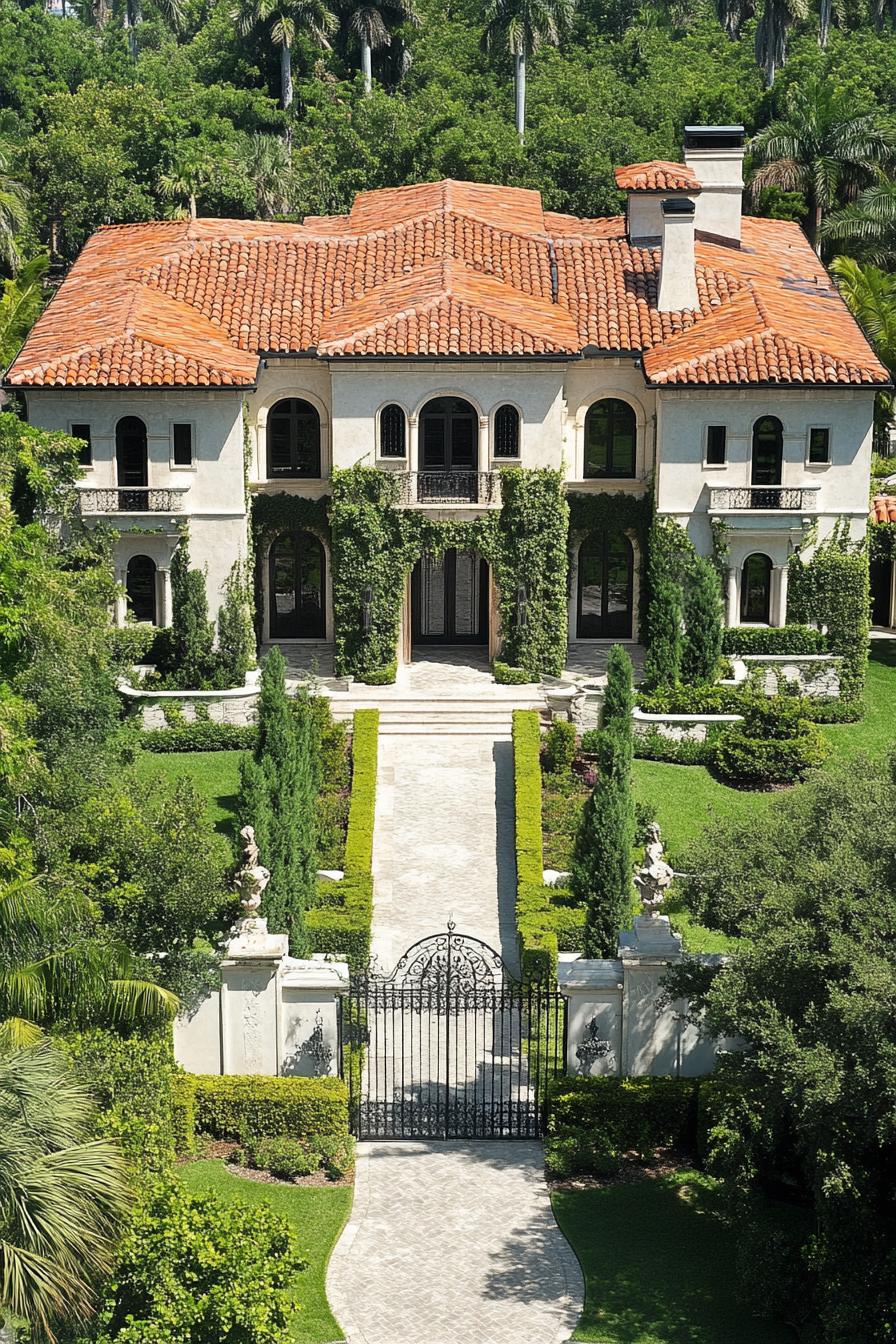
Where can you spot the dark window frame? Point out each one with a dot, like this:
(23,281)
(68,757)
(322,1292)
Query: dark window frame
(713,458)
(508,431)
(77,431)
(819,461)
(391,433)
(176,448)
(299,414)
(613,471)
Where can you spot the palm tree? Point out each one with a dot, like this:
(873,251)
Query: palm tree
(63,1195)
(523,26)
(868,224)
(21,302)
(370,22)
(192,171)
(54,966)
(821,146)
(775,22)
(870,295)
(13,211)
(265,164)
(285,18)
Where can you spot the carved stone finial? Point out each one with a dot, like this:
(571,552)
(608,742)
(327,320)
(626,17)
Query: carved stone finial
(251,879)
(655,875)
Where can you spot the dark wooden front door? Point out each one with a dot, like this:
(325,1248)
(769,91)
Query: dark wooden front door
(296,586)
(449,599)
(605,587)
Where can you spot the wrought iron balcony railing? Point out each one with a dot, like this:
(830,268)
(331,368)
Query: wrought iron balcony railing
(448,487)
(96,500)
(787,498)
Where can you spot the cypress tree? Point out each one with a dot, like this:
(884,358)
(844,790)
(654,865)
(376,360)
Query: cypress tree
(192,633)
(602,864)
(662,666)
(236,632)
(702,646)
(278,796)
(619,696)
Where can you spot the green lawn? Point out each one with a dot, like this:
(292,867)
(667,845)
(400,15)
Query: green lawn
(658,1264)
(317,1214)
(216,775)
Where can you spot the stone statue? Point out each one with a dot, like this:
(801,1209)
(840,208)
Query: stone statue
(655,875)
(252,877)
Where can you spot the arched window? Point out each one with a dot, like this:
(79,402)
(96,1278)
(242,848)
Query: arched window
(605,587)
(610,432)
(392,432)
(756,590)
(296,573)
(132,464)
(449,452)
(140,586)
(768,456)
(507,432)
(294,439)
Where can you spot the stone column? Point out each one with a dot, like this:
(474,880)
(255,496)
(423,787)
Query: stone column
(310,991)
(121,601)
(651,1035)
(780,615)
(413,443)
(250,1000)
(164,572)
(593,993)
(733,614)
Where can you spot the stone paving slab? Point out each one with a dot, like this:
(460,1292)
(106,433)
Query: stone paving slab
(453,1243)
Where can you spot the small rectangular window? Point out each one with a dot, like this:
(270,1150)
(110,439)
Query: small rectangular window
(716,441)
(182,436)
(819,447)
(82,432)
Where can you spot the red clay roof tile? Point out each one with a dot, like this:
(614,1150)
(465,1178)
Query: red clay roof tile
(883,509)
(657,175)
(443,268)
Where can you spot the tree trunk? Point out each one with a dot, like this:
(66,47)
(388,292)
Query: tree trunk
(367,65)
(133,15)
(285,77)
(520,64)
(192,205)
(816,227)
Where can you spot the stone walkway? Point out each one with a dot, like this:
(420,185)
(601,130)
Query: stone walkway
(453,1243)
(443,842)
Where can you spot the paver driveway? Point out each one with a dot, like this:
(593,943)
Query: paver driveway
(453,1243)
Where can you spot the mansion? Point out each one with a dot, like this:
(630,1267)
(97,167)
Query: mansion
(444,331)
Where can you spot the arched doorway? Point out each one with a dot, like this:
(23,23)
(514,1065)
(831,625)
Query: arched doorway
(132,464)
(605,589)
(449,450)
(767,462)
(140,586)
(297,572)
(449,599)
(756,590)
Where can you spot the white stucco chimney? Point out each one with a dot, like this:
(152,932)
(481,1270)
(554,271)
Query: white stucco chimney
(678,273)
(715,154)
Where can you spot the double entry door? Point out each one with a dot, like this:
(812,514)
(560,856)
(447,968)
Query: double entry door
(449,599)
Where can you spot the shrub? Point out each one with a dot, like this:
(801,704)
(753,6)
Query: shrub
(702,646)
(201,736)
(335,1153)
(560,747)
(619,696)
(192,633)
(593,1121)
(694,700)
(283,1157)
(236,630)
(129,644)
(655,746)
(340,919)
(379,676)
(776,744)
(194,1270)
(792,639)
(602,869)
(229,1106)
(662,665)
(505,675)
(832,589)
(538,941)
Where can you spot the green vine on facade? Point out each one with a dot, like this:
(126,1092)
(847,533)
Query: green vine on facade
(271,516)
(831,589)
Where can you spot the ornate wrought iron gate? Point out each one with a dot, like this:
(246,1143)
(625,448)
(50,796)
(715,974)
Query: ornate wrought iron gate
(450,1045)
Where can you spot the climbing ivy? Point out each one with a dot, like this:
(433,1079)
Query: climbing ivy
(831,589)
(271,515)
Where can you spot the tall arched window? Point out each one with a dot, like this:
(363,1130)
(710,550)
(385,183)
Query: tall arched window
(294,439)
(449,450)
(610,433)
(392,432)
(768,457)
(507,432)
(297,593)
(140,586)
(132,464)
(756,590)
(605,587)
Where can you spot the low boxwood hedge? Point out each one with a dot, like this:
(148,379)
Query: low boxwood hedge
(232,1106)
(340,920)
(792,639)
(592,1122)
(203,735)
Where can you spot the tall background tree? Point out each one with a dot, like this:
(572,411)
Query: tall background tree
(284,21)
(522,26)
(372,23)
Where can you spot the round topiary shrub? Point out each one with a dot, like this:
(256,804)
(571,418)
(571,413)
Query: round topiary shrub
(775,745)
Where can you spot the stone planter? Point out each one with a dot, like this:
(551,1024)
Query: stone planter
(814,673)
(680,727)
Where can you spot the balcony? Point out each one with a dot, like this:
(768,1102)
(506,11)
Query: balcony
(99,501)
(764,499)
(448,487)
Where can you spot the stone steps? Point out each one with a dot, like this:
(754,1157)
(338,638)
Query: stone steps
(449,715)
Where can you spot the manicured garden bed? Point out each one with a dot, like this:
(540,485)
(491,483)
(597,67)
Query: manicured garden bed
(317,1215)
(659,1263)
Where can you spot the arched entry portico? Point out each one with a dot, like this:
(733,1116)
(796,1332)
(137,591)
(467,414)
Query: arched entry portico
(297,587)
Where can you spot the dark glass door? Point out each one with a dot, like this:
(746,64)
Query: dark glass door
(131,464)
(756,590)
(605,588)
(297,588)
(881,585)
(450,431)
(449,599)
(140,585)
(768,457)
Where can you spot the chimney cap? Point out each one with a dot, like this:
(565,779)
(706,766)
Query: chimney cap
(678,205)
(713,137)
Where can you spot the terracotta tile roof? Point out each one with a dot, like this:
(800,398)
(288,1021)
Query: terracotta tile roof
(443,268)
(657,175)
(883,509)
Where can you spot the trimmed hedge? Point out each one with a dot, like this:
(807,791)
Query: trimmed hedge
(592,1122)
(545,916)
(231,1106)
(695,700)
(505,675)
(655,746)
(202,735)
(792,639)
(340,920)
